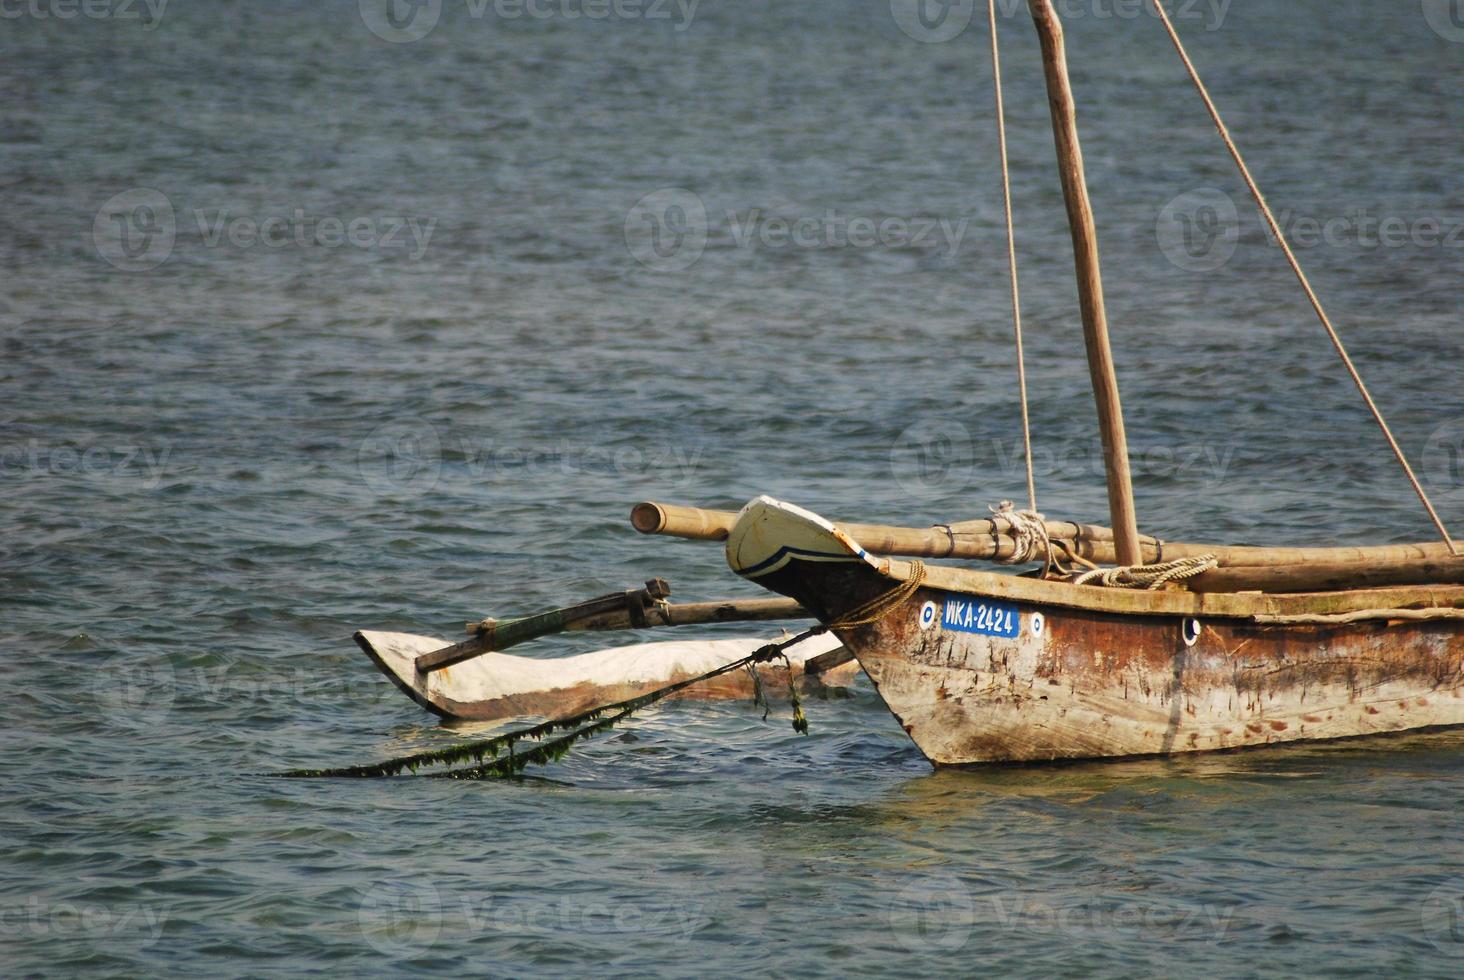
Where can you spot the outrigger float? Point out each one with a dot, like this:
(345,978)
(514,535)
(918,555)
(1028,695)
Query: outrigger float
(1107,644)
(473,680)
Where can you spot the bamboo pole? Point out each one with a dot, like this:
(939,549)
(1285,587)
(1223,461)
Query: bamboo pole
(1090,282)
(982,540)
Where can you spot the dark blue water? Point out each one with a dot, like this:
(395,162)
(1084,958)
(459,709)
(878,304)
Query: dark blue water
(305,330)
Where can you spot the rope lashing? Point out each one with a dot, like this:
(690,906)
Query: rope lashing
(1149,577)
(1028,531)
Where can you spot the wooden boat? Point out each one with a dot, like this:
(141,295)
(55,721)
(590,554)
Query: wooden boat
(985,667)
(493,685)
(1178,649)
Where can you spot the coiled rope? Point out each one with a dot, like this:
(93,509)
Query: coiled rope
(1149,577)
(882,605)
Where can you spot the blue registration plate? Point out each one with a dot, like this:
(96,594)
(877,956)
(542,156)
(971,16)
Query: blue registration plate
(981,616)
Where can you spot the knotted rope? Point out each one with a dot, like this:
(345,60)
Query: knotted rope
(1149,577)
(1028,531)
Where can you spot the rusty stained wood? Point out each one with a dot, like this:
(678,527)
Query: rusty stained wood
(1075,672)
(1102,685)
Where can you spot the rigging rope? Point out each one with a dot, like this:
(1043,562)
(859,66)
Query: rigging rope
(1300,274)
(1006,187)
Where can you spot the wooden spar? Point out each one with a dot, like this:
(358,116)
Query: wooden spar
(982,540)
(628,610)
(972,539)
(1090,283)
(1332,576)
(700,613)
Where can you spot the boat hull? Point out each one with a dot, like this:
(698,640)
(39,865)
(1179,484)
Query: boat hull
(975,677)
(1090,685)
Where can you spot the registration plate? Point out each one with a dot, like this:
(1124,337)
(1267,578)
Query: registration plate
(981,616)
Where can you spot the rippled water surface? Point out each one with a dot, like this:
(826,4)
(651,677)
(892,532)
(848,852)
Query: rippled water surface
(378,335)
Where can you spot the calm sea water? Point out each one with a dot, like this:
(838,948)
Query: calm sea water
(309,326)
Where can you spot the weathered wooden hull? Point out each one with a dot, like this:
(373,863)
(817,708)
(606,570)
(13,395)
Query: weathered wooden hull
(977,675)
(497,685)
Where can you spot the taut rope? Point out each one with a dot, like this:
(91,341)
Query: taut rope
(1306,285)
(1006,187)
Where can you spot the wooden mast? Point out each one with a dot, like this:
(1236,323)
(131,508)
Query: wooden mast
(1090,283)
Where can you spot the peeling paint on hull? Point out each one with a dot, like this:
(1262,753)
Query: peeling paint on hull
(1093,685)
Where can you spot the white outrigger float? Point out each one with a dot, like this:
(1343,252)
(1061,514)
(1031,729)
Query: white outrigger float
(493,685)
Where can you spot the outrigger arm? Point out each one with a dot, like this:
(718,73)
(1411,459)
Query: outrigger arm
(631,609)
